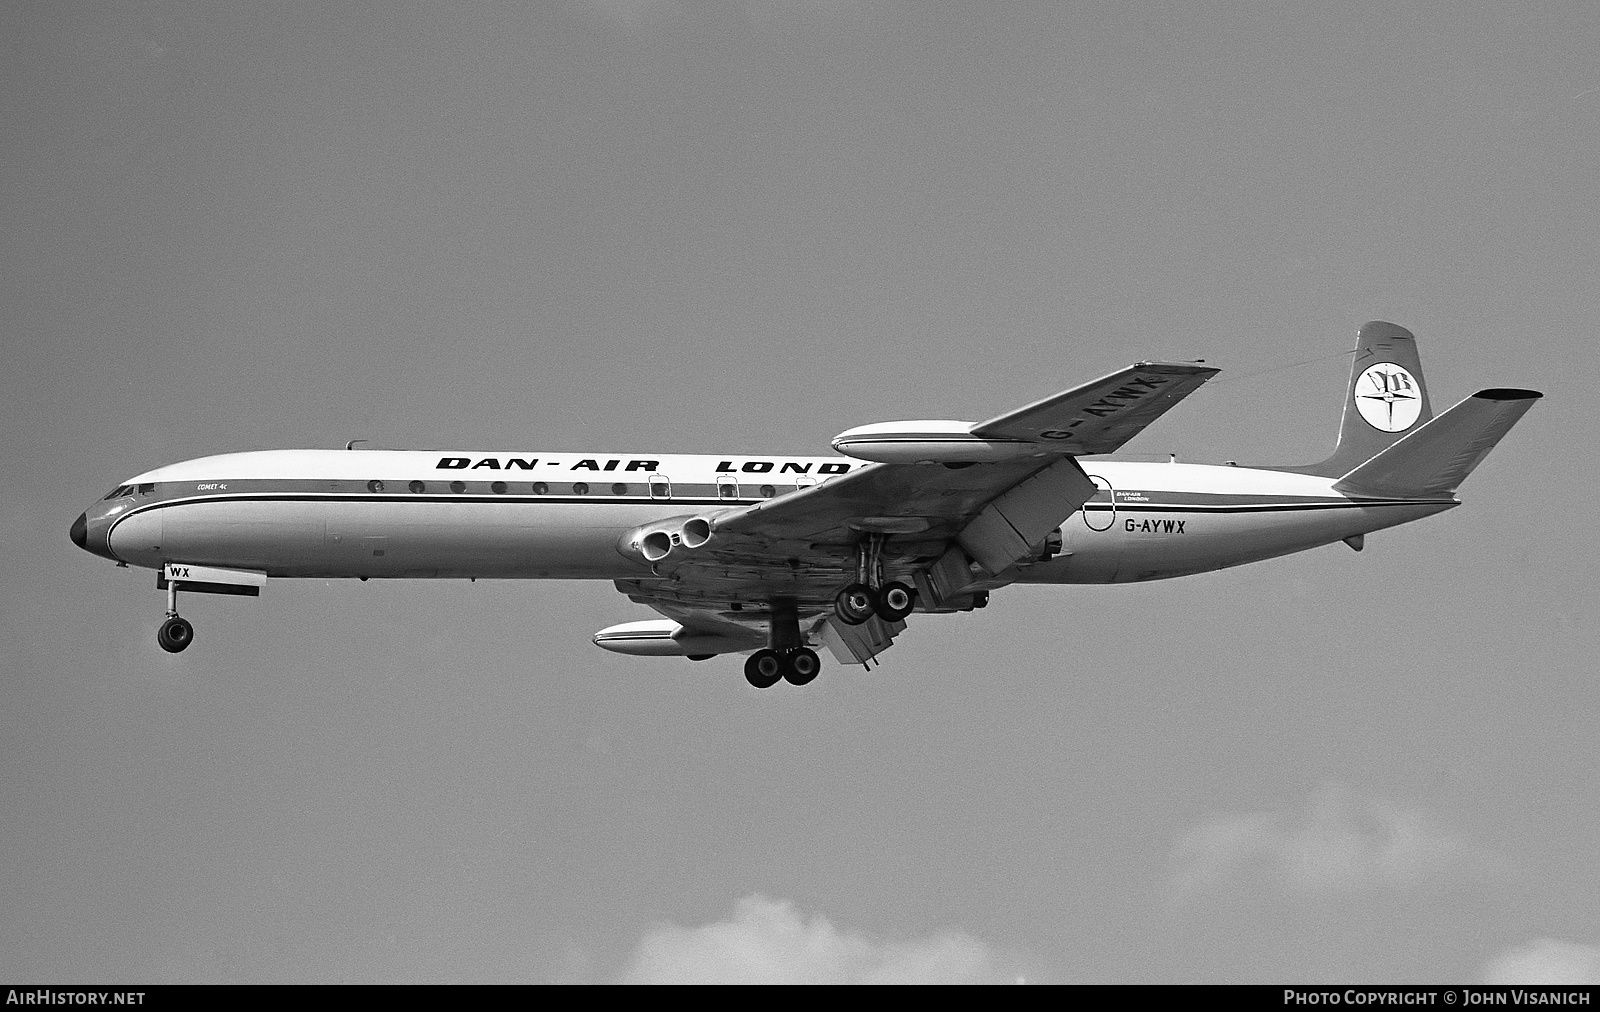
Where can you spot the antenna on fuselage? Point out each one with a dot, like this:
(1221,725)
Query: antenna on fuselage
(352,444)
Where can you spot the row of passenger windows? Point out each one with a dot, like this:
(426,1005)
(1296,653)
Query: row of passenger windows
(657,490)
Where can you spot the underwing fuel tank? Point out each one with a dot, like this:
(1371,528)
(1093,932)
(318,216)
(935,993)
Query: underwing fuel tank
(663,637)
(932,441)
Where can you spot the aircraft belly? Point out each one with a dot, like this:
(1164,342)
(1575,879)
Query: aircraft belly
(1159,545)
(1153,545)
(334,539)
(1088,556)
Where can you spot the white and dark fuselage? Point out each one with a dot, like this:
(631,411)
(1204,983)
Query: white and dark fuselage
(526,515)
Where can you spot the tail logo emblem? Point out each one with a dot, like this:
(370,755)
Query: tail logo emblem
(1388,397)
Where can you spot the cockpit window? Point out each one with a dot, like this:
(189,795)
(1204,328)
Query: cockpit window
(118,492)
(145,488)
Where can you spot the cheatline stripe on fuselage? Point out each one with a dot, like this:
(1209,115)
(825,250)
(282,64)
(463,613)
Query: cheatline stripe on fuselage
(1280,507)
(529,499)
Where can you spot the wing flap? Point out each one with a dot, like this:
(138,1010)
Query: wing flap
(1011,526)
(858,644)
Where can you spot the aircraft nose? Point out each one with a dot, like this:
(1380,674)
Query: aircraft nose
(80,531)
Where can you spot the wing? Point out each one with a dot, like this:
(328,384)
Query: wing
(930,525)
(949,530)
(1099,417)
(933,501)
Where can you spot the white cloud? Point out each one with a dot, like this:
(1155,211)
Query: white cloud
(1545,961)
(1335,843)
(770,942)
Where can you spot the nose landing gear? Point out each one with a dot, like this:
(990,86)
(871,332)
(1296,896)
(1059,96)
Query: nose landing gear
(175,633)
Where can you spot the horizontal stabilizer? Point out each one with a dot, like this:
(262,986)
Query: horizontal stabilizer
(1437,457)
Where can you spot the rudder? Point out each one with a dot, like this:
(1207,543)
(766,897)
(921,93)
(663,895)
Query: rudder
(1384,400)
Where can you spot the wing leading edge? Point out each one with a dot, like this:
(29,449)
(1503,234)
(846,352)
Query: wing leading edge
(1100,416)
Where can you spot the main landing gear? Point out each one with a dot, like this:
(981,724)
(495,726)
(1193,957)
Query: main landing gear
(788,659)
(175,633)
(870,595)
(766,668)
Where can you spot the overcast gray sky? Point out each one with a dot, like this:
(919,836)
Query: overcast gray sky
(744,227)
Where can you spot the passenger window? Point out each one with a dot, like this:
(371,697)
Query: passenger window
(498,488)
(374,485)
(458,486)
(660,487)
(580,488)
(540,488)
(417,487)
(727,487)
(767,491)
(619,488)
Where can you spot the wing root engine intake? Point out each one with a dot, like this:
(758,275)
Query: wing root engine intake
(656,540)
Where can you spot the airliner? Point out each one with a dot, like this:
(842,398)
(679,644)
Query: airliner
(774,556)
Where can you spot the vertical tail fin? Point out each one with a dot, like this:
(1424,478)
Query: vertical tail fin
(1386,398)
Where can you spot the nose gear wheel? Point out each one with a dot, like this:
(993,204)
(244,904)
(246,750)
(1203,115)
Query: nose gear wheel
(175,635)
